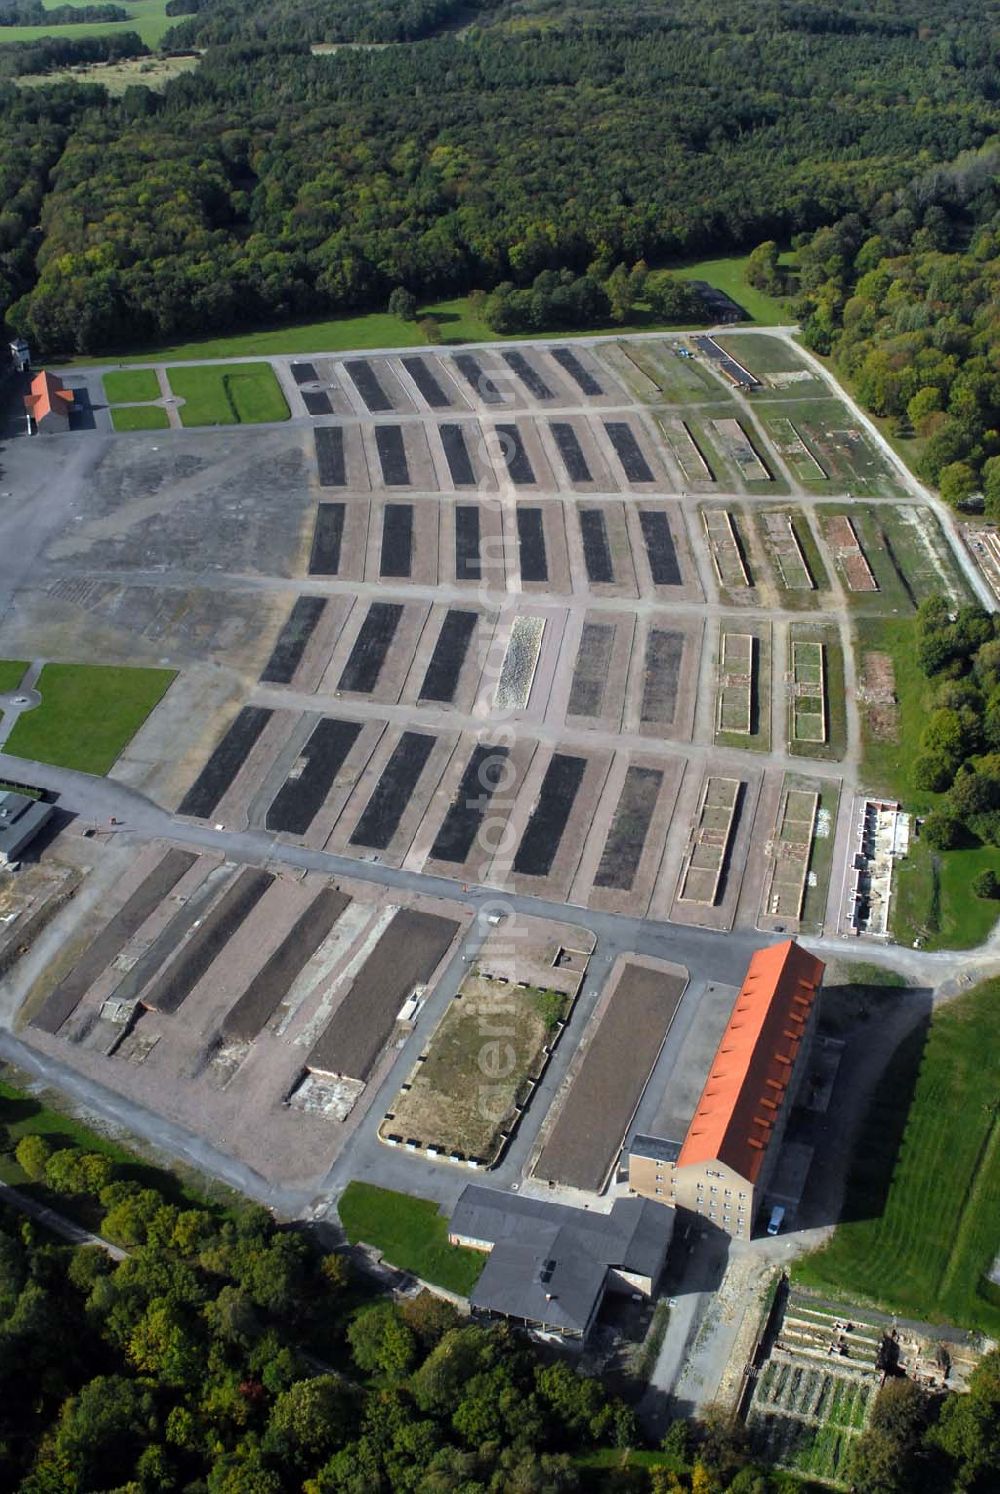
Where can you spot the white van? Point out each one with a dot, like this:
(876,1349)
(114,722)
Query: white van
(776,1220)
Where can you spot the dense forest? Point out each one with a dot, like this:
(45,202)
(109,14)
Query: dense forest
(906,297)
(271,183)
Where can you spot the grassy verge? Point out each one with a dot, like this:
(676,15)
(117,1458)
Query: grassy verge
(410,1233)
(924,1193)
(140,418)
(25,1114)
(146,17)
(88,715)
(245,394)
(11,674)
(457,319)
(131,386)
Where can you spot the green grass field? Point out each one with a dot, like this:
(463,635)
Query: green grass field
(244,394)
(140,418)
(131,386)
(11,674)
(88,715)
(146,17)
(411,1235)
(458,323)
(922,1206)
(766,355)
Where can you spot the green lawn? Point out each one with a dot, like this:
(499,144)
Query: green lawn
(242,394)
(131,386)
(88,715)
(140,418)
(11,674)
(765,355)
(410,1233)
(923,1197)
(377,329)
(146,17)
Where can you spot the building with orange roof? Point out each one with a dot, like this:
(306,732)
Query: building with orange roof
(724,1164)
(48,405)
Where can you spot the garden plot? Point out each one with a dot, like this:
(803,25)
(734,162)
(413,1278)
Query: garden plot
(472,550)
(514,452)
(340,539)
(443,1108)
(380,391)
(404,542)
(788,853)
(600,548)
(236,765)
(466,820)
(583,370)
(542,551)
(519,456)
(633,816)
(685,450)
(661,550)
(786,551)
(599,1096)
(877,695)
(663,677)
(443,669)
(341,461)
(727,549)
(286,656)
(392,795)
(842,537)
(706,859)
(550,822)
(597,686)
(808,692)
(481,380)
(624,848)
(456,450)
(403,961)
(368,654)
(520,660)
(737,445)
(577,456)
(790,445)
(528,374)
(432,381)
(629,450)
(737,667)
(312,776)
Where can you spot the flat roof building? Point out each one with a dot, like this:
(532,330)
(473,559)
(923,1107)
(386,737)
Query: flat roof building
(722,1168)
(549,1265)
(21,818)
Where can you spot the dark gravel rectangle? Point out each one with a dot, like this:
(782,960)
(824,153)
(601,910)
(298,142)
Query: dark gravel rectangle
(317,402)
(457,456)
(110,942)
(468,566)
(327,539)
(426,383)
(585,381)
(531,545)
(364,665)
(368,386)
(596,549)
(711,349)
(225,762)
(590,676)
(397,540)
(518,465)
(544,830)
(208,941)
(286,655)
(392,455)
(584,1143)
(441,679)
(255,1008)
(304,373)
(660,547)
(629,828)
(530,377)
(407,955)
(298,801)
(484,771)
(622,436)
(475,376)
(381,815)
(571,451)
(664,652)
(330,456)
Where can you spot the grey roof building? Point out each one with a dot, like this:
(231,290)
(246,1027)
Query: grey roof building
(550,1265)
(21,818)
